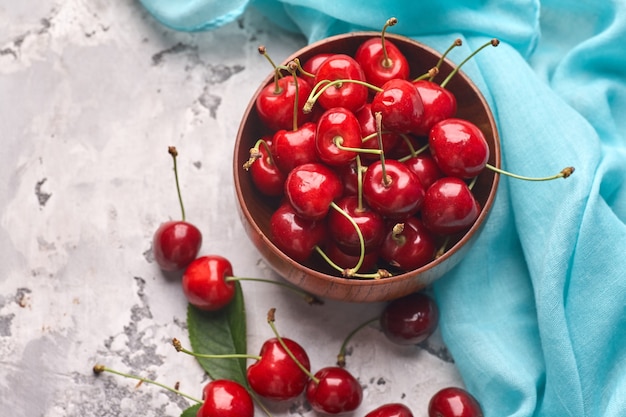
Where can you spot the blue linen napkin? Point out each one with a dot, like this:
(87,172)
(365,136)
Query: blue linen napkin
(535,315)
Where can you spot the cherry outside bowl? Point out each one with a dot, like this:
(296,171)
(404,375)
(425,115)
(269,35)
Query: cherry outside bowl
(314,276)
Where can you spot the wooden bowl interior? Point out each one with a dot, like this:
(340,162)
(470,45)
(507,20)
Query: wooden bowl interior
(256,209)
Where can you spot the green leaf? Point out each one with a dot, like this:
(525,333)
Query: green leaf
(220,333)
(191,411)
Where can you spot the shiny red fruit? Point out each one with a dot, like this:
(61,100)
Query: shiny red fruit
(342,231)
(337,127)
(225,398)
(449,206)
(454,402)
(276,376)
(205,285)
(439,104)
(369,130)
(312,64)
(410,248)
(334,391)
(377,69)
(294,235)
(351,96)
(391,410)
(400,105)
(411,319)
(275,107)
(294,147)
(459,147)
(266,175)
(310,188)
(176,244)
(425,168)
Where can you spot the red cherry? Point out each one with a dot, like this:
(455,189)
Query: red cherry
(349,178)
(454,402)
(400,105)
(337,128)
(449,206)
(310,188)
(226,398)
(312,64)
(398,196)
(265,174)
(294,147)
(411,319)
(391,410)
(333,391)
(367,121)
(175,244)
(205,284)
(347,261)
(425,168)
(379,68)
(295,236)
(439,104)
(459,147)
(276,375)
(275,103)
(350,95)
(409,248)
(342,231)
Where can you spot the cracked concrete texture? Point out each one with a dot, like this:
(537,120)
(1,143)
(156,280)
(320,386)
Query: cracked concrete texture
(93,93)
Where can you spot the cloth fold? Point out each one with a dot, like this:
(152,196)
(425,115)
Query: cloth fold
(535,315)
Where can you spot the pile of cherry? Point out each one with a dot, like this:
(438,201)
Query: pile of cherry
(373,169)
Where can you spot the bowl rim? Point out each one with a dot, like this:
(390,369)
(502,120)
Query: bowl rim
(359,282)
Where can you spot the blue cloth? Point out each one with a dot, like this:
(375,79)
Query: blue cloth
(535,315)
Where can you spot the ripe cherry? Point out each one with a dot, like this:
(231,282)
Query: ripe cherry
(276,376)
(369,132)
(391,410)
(459,147)
(342,231)
(454,402)
(334,390)
(381,60)
(311,65)
(411,319)
(439,104)
(408,245)
(295,236)
(400,105)
(449,206)
(392,189)
(338,136)
(205,282)
(349,95)
(176,243)
(265,174)
(345,261)
(425,168)
(226,398)
(294,147)
(310,188)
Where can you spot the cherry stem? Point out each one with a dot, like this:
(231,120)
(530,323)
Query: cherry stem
(381,273)
(179,348)
(379,127)
(323,85)
(292,67)
(443,247)
(350,272)
(494,42)
(359,182)
(338,141)
(457,42)
(174,152)
(396,233)
(302,70)
(386,62)
(255,154)
(271,318)
(341,357)
(309,298)
(98,369)
(263,51)
(564,173)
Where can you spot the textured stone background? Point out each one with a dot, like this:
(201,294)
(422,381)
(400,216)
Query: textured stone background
(91,94)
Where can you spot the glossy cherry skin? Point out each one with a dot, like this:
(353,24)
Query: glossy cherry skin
(449,206)
(410,249)
(391,410)
(312,64)
(378,70)
(439,104)
(343,232)
(400,198)
(266,175)
(454,402)
(275,108)
(225,398)
(336,391)
(205,285)
(411,319)
(347,261)
(176,244)
(294,147)
(425,168)
(351,96)
(459,147)
(295,236)
(367,121)
(276,376)
(349,177)
(311,188)
(337,126)
(400,105)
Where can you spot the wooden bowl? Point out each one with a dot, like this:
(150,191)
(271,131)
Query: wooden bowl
(314,276)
